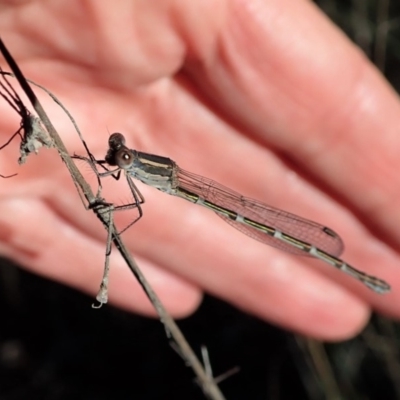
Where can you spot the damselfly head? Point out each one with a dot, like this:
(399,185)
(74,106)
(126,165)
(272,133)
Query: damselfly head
(116,141)
(116,150)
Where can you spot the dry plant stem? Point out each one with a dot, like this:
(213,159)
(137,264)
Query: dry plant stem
(207,383)
(32,134)
(317,358)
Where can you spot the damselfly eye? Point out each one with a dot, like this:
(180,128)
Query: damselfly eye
(116,141)
(124,159)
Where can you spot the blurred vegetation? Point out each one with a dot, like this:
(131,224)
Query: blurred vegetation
(374,25)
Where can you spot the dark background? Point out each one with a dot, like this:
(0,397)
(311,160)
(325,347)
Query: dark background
(53,345)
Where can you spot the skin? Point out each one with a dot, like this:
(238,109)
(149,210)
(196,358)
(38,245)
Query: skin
(267,97)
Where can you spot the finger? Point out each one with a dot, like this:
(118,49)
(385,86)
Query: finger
(256,278)
(316,99)
(194,244)
(35,237)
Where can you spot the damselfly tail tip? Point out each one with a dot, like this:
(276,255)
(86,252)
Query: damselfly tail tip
(379,286)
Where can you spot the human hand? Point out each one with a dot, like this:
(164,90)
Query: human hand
(268,98)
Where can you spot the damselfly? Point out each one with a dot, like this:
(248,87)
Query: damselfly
(267,224)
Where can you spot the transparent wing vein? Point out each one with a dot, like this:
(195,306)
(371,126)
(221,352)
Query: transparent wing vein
(299,228)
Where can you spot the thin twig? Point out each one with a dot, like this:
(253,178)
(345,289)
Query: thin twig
(32,134)
(208,385)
